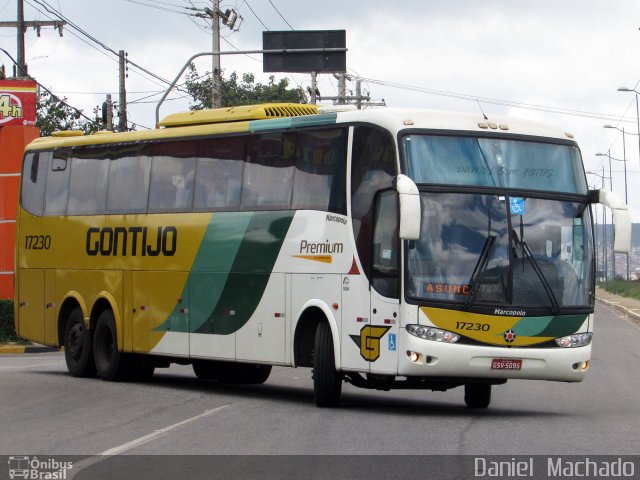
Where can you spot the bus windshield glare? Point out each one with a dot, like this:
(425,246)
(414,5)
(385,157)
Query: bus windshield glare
(492,162)
(494,245)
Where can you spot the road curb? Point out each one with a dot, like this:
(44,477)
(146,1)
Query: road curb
(630,312)
(16,349)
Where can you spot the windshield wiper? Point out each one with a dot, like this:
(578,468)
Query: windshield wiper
(538,270)
(481,266)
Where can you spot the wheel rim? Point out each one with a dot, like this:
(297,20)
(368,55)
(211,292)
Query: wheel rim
(73,343)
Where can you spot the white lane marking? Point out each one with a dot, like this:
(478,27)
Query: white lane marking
(158,433)
(79,466)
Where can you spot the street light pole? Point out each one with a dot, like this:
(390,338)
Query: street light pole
(625,89)
(624,160)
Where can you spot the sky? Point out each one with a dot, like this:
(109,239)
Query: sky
(560,62)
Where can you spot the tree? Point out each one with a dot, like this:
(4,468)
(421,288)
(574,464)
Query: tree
(54,113)
(244,92)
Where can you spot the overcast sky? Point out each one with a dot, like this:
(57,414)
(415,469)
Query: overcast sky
(531,59)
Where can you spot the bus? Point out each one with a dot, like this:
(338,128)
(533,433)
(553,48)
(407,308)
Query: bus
(383,248)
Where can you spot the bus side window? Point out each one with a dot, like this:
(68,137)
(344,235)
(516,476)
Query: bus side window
(34,178)
(128,183)
(172,182)
(320,167)
(57,191)
(219,174)
(385,267)
(373,168)
(88,186)
(268,172)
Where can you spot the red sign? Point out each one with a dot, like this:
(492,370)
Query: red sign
(17,102)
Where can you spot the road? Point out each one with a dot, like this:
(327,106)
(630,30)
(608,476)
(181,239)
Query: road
(45,411)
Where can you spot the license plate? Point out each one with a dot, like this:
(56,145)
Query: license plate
(506,364)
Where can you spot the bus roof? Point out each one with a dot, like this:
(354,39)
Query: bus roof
(282,116)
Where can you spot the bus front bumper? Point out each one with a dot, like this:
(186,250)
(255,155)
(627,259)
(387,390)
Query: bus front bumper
(425,358)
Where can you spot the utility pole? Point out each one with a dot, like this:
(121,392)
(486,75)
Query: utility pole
(358,99)
(215,72)
(229,18)
(21,25)
(123,92)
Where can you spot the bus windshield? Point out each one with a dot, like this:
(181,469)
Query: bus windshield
(492,249)
(493,162)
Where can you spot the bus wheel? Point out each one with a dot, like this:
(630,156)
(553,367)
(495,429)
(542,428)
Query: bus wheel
(327,382)
(110,363)
(253,373)
(206,370)
(477,395)
(77,346)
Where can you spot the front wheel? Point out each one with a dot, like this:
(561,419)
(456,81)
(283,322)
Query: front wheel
(327,381)
(77,346)
(477,395)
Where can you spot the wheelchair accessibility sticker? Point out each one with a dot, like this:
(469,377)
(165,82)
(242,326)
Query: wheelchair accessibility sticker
(517,205)
(392,342)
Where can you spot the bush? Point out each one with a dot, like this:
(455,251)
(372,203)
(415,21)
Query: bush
(7,327)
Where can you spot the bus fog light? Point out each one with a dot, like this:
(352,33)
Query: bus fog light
(433,334)
(413,357)
(575,340)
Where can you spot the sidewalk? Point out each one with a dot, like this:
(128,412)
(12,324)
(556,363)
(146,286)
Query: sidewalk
(630,306)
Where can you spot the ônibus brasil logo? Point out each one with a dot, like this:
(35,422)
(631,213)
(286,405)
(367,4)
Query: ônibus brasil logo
(38,469)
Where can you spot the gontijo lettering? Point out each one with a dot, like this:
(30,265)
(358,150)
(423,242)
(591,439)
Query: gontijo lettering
(132,241)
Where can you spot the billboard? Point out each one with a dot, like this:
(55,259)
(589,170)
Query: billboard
(17,103)
(306,61)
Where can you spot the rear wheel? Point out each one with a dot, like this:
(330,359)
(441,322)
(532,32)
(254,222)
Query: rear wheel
(327,381)
(77,346)
(477,395)
(110,362)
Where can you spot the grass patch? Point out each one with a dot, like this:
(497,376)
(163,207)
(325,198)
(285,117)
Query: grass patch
(7,327)
(623,288)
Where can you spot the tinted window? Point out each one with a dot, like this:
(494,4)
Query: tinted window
(88,185)
(319,173)
(34,176)
(219,174)
(373,169)
(171,184)
(128,183)
(57,186)
(268,172)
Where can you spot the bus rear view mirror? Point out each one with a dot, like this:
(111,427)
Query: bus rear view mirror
(410,214)
(621,219)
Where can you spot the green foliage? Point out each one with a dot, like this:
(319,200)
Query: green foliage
(623,288)
(54,114)
(236,92)
(7,328)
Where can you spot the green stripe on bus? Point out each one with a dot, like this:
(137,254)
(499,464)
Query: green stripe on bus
(230,272)
(251,270)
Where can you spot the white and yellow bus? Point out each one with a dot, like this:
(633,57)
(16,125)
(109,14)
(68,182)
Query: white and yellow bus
(384,248)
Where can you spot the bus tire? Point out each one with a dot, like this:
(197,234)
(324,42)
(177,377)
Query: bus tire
(253,373)
(110,362)
(327,381)
(477,395)
(78,352)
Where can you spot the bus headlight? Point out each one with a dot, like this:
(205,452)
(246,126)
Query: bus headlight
(575,340)
(433,334)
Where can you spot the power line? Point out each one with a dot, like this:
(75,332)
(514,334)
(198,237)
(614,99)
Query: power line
(496,101)
(276,9)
